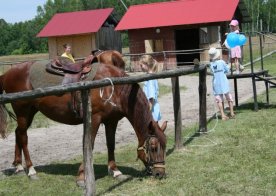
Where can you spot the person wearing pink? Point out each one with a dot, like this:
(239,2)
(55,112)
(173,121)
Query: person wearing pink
(236,51)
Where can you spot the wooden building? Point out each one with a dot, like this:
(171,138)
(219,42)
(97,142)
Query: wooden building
(83,30)
(179,25)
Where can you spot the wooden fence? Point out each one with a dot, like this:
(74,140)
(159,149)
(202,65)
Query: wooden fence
(85,87)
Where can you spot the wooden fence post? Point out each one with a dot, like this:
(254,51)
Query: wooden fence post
(253,76)
(90,185)
(177,112)
(202,101)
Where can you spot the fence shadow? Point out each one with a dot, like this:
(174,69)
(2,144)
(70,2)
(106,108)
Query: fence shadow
(261,105)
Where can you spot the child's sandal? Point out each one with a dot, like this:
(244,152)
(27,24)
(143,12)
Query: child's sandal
(232,116)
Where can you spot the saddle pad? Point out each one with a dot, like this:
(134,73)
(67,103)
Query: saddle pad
(40,78)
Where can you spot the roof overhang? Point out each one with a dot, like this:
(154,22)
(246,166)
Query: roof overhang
(181,12)
(74,23)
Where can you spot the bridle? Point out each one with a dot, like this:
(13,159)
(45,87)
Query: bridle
(146,147)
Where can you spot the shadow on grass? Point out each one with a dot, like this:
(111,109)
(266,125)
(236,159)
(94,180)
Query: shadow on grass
(198,134)
(250,106)
(242,107)
(72,169)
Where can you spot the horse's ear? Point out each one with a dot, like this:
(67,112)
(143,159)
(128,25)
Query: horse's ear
(164,126)
(151,128)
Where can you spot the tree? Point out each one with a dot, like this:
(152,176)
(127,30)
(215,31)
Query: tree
(20,38)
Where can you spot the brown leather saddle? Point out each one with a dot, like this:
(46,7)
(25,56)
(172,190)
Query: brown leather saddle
(72,72)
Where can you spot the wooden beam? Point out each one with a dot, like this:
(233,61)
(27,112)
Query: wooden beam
(90,185)
(202,90)
(61,89)
(177,112)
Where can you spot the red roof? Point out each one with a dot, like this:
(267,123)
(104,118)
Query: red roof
(71,23)
(181,12)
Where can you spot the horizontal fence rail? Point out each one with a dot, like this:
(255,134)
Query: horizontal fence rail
(61,89)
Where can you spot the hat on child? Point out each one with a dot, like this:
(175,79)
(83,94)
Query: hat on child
(214,53)
(234,23)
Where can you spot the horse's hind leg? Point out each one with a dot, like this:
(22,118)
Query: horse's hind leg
(21,139)
(110,130)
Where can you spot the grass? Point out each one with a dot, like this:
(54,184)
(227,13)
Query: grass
(237,158)
(268,46)
(26,57)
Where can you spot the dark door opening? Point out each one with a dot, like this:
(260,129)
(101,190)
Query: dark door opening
(187,39)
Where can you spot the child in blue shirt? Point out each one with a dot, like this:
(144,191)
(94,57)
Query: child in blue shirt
(220,83)
(151,88)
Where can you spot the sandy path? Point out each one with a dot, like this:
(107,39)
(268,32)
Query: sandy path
(62,142)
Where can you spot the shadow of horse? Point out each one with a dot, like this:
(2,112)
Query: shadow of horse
(100,170)
(68,169)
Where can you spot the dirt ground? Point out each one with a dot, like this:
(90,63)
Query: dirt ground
(61,142)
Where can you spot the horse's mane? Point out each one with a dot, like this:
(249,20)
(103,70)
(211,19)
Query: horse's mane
(139,112)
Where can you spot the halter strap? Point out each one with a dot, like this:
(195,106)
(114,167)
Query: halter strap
(154,164)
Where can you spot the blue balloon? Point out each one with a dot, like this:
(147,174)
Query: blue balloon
(242,39)
(232,39)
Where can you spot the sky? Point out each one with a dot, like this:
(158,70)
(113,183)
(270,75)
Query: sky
(13,11)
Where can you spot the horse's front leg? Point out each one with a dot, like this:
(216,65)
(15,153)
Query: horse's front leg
(110,130)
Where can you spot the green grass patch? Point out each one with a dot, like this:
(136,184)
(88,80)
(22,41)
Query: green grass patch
(237,158)
(26,57)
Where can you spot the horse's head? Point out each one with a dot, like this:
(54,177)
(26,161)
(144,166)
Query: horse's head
(153,151)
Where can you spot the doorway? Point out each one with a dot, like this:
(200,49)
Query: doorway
(187,39)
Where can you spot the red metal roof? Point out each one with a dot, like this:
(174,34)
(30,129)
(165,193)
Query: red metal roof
(71,23)
(181,12)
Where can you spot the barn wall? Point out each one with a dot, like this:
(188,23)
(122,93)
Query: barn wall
(52,45)
(209,37)
(108,39)
(137,45)
(82,45)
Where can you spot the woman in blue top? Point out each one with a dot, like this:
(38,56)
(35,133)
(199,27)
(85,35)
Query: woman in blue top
(151,88)
(220,83)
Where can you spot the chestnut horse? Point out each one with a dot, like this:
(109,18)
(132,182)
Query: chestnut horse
(112,57)
(126,100)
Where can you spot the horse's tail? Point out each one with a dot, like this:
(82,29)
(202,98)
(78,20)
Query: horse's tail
(3,112)
(118,60)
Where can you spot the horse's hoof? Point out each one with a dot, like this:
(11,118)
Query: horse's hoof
(81,183)
(34,177)
(122,177)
